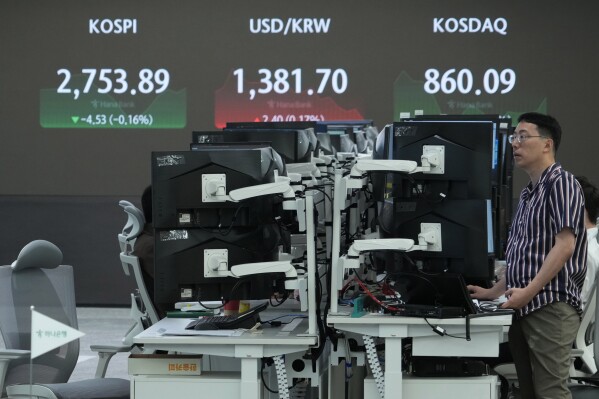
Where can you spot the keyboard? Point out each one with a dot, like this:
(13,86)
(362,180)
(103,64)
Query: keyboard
(245,320)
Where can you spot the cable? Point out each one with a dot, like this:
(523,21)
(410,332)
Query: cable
(294,316)
(208,307)
(218,229)
(238,283)
(278,303)
(441,331)
(375,366)
(322,191)
(265,362)
(375,299)
(281,377)
(264,384)
(423,196)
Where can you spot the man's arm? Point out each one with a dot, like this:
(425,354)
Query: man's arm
(488,293)
(557,257)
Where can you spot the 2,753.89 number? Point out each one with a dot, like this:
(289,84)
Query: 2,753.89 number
(115,81)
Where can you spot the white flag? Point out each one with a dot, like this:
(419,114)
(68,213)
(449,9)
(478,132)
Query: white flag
(47,334)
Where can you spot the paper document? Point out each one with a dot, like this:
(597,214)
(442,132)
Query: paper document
(291,326)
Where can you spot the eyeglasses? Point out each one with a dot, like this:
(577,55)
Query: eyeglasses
(520,138)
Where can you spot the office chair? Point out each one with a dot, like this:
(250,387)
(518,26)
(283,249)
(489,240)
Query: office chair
(584,342)
(590,389)
(37,278)
(143,311)
(124,234)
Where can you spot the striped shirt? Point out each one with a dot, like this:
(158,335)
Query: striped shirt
(556,202)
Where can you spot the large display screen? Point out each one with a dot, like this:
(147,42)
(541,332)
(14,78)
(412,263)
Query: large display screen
(89,88)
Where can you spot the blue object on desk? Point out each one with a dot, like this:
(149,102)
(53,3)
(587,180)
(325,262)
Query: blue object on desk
(358,310)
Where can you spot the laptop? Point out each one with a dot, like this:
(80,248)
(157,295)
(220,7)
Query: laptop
(440,295)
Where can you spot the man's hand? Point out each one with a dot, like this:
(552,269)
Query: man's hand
(517,298)
(477,292)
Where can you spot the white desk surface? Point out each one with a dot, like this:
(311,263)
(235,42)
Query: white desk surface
(265,342)
(250,347)
(377,318)
(385,325)
(485,333)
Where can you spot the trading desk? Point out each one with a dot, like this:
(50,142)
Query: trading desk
(486,334)
(250,347)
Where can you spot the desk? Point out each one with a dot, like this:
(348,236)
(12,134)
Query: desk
(249,347)
(486,335)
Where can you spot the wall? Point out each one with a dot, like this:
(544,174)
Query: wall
(84,228)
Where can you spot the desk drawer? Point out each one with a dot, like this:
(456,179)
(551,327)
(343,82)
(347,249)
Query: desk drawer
(485,387)
(227,385)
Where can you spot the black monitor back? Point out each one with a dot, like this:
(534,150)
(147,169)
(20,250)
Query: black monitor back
(293,146)
(471,168)
(177,187)
(323,126)
(466,236)
(307,126)
(501,172)
(179,264)
(326,144)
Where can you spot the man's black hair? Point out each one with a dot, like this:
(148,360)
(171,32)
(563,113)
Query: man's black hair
(547,125)
(591,197)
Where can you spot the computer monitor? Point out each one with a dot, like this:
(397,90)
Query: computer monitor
(463,199)
(355,129)
(294,146)
(502,150)
(308,126)
(342,139)
(467,236)
(179,264)
(470,151)
(502,171)
(371,134)
(361,142)
(357,124)
(179,186)
(188,222)
(326,144)
(273,125)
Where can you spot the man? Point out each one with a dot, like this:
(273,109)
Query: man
(545,257)
(591,212)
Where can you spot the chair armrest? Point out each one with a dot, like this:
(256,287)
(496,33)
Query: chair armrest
(576,352)
(110,348)
(11,354)
(105,353)
(6,355)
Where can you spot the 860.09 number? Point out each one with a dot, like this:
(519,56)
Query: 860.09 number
(463,81)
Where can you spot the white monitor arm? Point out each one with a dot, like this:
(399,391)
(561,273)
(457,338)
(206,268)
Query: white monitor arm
(432,159)
(306,169)
(429,239)
(216,264)
(214,189)
(246,269)
(280,186)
